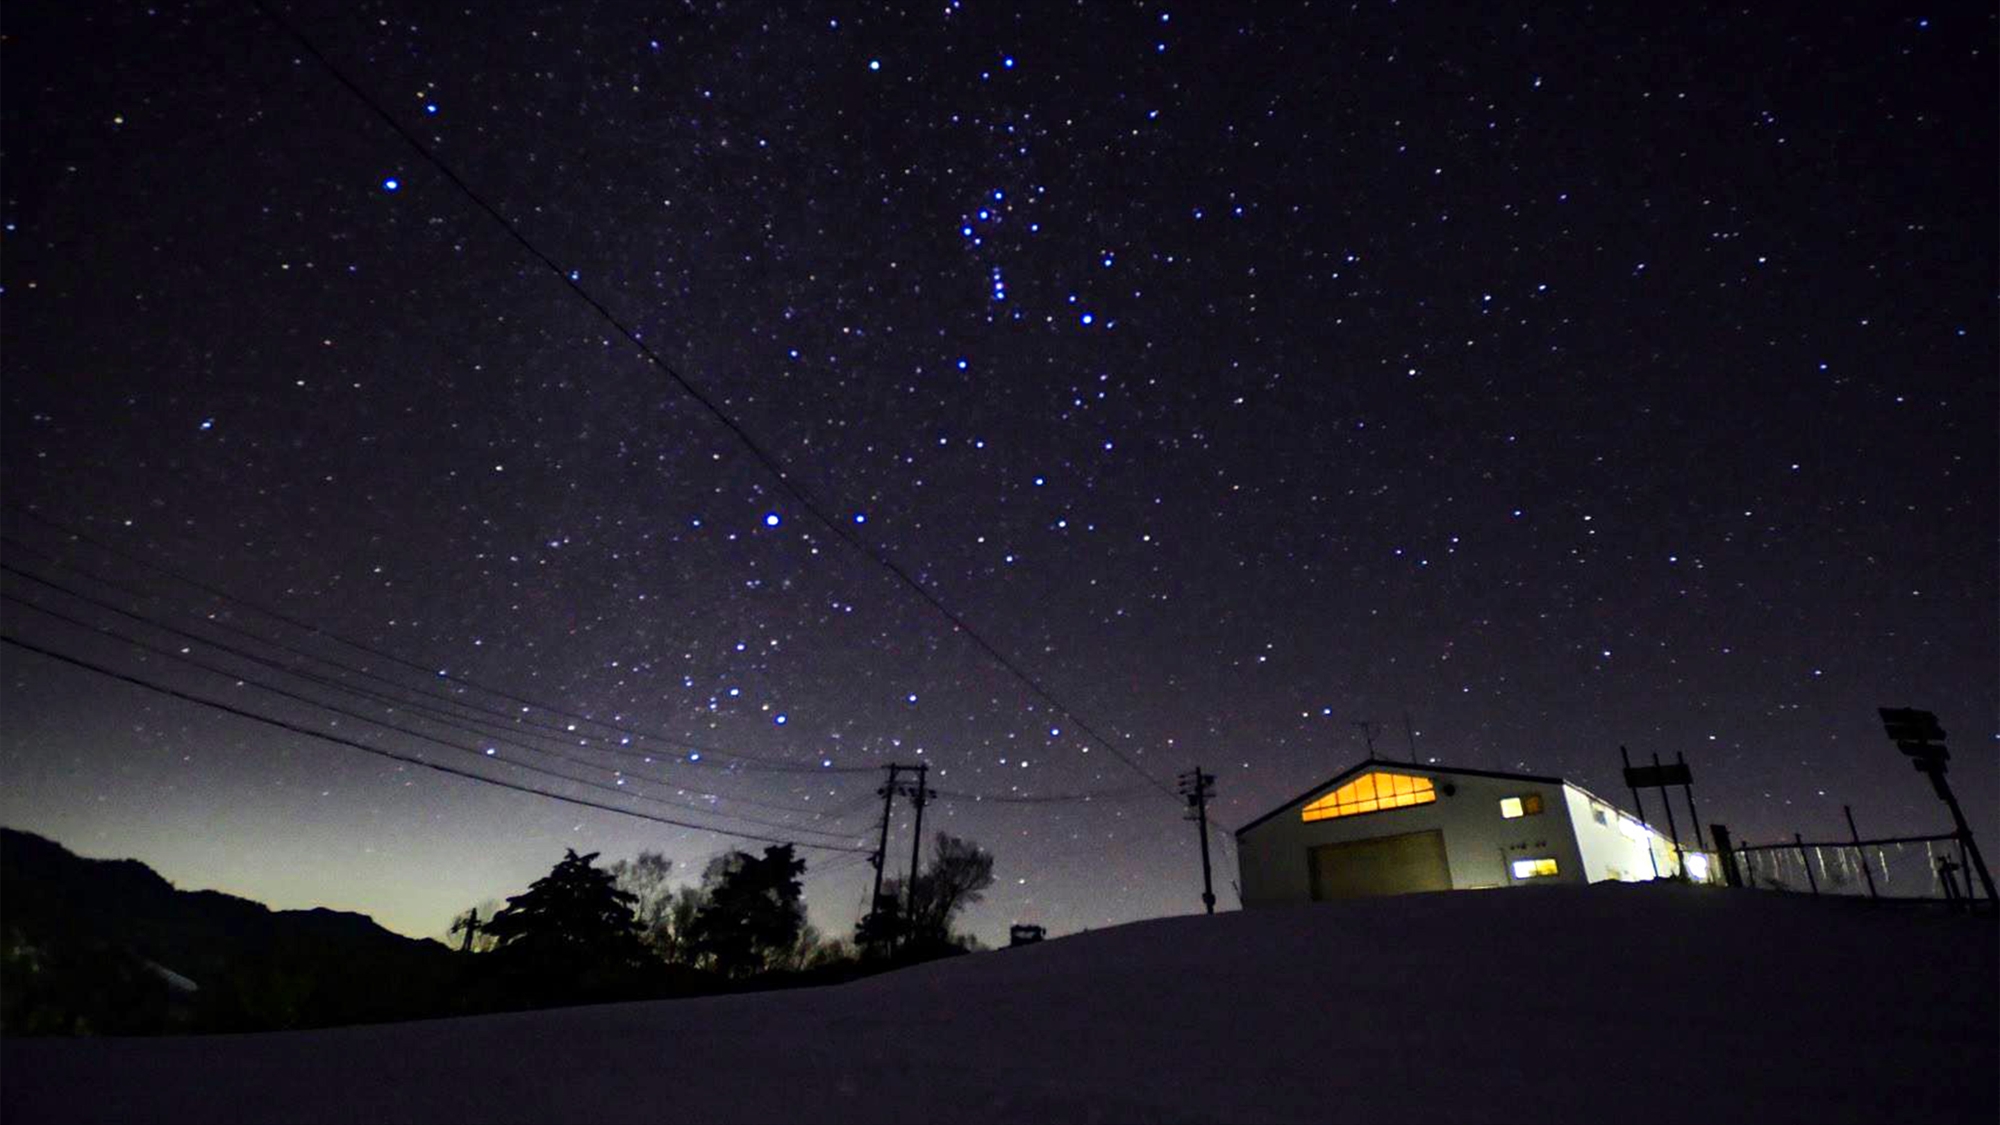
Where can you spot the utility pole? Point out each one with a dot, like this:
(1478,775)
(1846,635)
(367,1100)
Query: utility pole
(918,795)
(880,857)
(1410,735)
(1198,787)
(467,923)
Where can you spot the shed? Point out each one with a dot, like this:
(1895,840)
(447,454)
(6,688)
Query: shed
(1382,828)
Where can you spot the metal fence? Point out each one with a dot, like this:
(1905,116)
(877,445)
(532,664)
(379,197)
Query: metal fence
(1905,867)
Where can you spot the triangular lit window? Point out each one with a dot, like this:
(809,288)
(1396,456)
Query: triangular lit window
(1372,792)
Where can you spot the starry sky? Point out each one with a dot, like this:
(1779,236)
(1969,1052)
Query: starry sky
(1623,374)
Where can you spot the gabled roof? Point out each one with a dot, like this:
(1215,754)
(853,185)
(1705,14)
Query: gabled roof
(1384,763)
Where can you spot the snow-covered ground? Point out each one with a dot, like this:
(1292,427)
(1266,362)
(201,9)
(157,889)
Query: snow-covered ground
(1607,1004)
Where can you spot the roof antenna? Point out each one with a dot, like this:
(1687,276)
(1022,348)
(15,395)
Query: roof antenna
(1410,734)
(1367,736)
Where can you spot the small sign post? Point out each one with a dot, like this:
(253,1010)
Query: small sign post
(1917,734)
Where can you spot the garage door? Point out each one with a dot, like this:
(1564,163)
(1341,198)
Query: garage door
(1388,865)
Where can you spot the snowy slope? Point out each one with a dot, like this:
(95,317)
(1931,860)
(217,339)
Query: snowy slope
(1607,1004)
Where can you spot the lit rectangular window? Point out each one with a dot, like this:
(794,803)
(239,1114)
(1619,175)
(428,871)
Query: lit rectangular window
(1528,804)
(1531,868)
(1371,792)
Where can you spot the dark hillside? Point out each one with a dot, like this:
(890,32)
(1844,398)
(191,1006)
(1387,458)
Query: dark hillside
(86,940)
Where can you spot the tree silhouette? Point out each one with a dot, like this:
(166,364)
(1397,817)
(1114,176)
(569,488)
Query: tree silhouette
(645,876)
(467,932)
(753,913)
(959,871)
(574,919)
(919,924)
(466,926)
(882,927)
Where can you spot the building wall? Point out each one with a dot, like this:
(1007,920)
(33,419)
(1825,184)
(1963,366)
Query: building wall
(1616,847)
(1272,858)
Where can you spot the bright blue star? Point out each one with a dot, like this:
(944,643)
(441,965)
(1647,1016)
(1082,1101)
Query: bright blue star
(1087,318)
(861,517)
(430,109)
(772,519)
(966,231)
(392,184)
(694,756)
(1008,62)
(961,364)
(780,718)
(998,195)
(874,64)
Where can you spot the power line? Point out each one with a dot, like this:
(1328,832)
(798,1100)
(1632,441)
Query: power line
(844,863)
(481,729)
(390,754)
(430,673)
(1104,795)
(764,457)
(499,721)
(485,729)
(489,754)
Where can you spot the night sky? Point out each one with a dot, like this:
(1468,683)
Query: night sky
(1568,378)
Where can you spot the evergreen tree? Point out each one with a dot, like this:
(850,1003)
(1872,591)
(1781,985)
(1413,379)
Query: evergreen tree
(753,913)
(572,920)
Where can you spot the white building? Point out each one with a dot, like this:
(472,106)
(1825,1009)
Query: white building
(1384,828)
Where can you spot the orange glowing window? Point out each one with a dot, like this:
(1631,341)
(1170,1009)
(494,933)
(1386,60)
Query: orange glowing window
(1371,793)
